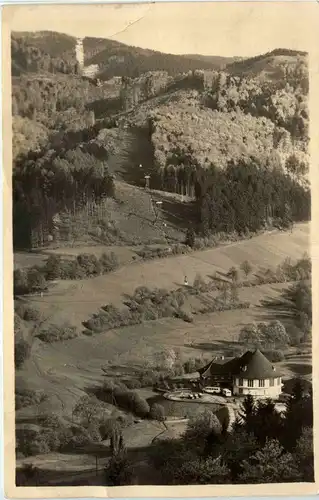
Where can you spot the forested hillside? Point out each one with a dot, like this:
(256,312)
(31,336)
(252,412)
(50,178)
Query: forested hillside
(273,65)
(55,52)
(235,141)
(42,51)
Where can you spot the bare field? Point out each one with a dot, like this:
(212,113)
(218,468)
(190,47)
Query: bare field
(65,370)
(77,300)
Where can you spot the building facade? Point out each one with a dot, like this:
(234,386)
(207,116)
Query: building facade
(269,387)
(252,373)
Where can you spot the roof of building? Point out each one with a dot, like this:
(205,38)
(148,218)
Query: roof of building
(215,367)
(251,365)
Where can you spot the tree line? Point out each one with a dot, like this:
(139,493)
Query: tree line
(263,446)
(53,183)
(26,57)
(245,196)
(249,197)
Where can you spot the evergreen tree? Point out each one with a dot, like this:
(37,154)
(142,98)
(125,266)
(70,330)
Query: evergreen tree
(119,471)
(271,464)
(190,237)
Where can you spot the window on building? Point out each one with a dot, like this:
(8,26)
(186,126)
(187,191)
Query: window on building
(250,383)
(241,382)
(271,382)
(261,383)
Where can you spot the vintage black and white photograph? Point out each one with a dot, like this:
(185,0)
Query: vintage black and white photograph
(161,206)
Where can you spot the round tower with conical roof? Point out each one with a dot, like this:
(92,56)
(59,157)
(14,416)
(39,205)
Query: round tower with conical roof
(252,373)
(257,376)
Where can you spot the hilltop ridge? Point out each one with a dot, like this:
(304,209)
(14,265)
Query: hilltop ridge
(149,116)
(119,59)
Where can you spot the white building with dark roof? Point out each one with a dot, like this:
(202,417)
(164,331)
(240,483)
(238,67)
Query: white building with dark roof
(252,373)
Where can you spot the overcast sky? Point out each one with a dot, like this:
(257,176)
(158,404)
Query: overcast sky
(226,29)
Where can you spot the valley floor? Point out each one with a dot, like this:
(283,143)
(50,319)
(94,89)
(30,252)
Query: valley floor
(75,301)
(67,370)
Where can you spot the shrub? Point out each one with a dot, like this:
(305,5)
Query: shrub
(36,280)
(201,471)
(160,252)
(94,432)
(154,253)
(109,385)
(304,323)
(115,424)
(110,426)
(20,281)
(199,283)
(80,436)
(274,356)
(165,360)
(28,281)
(108,262)
(185,316)
(133,384)
(178,369)
(119,472)
(200,427)
(17,324)
(31,314)
(22,351)
(52,267)
(30,441)
(125,420)
(288,269)
(51,421)
(27,313)
(28,397)
(157,412)
(295,335)
(88,409)
(273,333)
(85,265)
(234,296)
(303,268)
(27,475)
(55,333)
(19,308)
(149,379)
(112,317)
(246,267)
(179,249)
(70,270)
(179,297)
(139,405)
(89,263)
(269,276)
(190,366)
(190,238)
(233,274)
(125,399)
